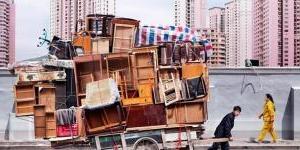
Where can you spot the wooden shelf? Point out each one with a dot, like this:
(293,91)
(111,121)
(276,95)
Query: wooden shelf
(23,114)
(169,67)
(82,94)
(145,78)
(150,66)
(25,100)
(24,91)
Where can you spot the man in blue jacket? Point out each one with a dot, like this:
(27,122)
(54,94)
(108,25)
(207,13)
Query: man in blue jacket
(224,129)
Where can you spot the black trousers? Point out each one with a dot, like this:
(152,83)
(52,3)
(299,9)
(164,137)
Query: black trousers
(224,146)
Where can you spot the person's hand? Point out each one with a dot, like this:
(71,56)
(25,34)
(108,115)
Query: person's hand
(272,118)
(230,139)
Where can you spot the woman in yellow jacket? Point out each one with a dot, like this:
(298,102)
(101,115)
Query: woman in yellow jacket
(268,118)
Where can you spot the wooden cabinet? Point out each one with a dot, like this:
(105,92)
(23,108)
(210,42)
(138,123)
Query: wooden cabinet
(46,96)
(187,113)
(50,125)
(144,65)
(87,69)
(124,34)
(39,121)
(24,99)
(44,122)
(104,119)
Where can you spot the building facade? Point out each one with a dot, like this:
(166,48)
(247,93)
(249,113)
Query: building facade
(276,33)
(190,13)
(217,19)
(238,31)
(7,33)
(297,32)
(68,16)
(218,58)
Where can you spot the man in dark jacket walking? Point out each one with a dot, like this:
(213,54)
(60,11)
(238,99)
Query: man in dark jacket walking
(224,129)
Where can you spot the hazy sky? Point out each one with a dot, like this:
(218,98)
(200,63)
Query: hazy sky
(34,15)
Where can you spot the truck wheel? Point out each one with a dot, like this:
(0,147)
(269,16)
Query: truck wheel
(145,144)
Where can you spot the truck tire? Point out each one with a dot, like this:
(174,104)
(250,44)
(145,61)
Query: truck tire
(145,143)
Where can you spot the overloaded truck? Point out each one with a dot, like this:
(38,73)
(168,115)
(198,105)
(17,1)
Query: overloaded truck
(127,86)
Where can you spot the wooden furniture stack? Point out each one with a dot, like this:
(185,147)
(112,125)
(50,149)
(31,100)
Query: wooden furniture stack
(46,94)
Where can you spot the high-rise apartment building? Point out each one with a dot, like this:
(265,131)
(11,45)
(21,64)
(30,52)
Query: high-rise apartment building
(217,39)
(297,32)
(190,13)
(276,32)
(7,33)
(217,19)
(69,15)
(238,31)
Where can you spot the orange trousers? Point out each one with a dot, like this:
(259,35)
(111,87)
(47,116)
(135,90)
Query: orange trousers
(267,128)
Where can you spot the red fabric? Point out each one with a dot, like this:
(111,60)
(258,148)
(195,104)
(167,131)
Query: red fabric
(64,130)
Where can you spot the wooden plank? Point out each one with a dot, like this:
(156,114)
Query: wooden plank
(163,137)
(80,121)
(42,76)
(158,127)
(58,63)
(189,138)
(137,101)
(124,145)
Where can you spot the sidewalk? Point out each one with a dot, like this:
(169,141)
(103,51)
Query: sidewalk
(245,144)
